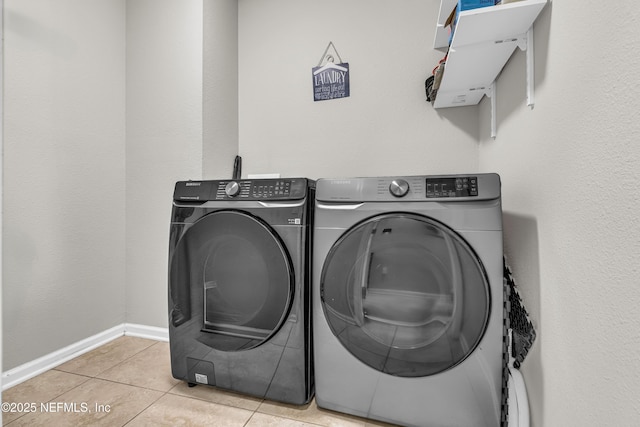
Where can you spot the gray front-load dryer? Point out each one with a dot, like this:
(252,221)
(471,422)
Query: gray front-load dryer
(239,286)
(408,299)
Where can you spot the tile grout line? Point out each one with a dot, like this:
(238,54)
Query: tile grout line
(127,359)
(147,407)
(284,418)
(53,399)
(295,419)
(249,419)
(129,385)
(57,368)
(240,395)
(95,377)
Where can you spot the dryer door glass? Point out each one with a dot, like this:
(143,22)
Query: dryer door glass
(241,276)
(405,294)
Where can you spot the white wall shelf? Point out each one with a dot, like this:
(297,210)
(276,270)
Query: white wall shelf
(483,41)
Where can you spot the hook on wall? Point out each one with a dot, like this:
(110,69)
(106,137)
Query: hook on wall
(329,58)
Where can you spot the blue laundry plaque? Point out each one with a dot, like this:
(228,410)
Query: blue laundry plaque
(330,81)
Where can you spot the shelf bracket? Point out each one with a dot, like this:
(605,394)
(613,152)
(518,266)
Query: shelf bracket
(522,42)
(525,43)
(491,93)
(530,69)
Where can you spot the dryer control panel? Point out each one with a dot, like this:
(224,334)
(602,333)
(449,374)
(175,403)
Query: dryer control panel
(245,189)
(410,188)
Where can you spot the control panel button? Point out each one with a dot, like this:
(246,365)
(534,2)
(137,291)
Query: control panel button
(399,187)
(232,189)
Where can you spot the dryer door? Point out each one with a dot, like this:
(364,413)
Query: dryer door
(240,274)
(405,294)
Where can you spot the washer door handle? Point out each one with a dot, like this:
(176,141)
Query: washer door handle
(281,204)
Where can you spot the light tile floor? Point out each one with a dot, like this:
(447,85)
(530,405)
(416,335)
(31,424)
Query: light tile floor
(128,382)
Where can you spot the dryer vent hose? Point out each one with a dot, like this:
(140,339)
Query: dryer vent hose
(518,400)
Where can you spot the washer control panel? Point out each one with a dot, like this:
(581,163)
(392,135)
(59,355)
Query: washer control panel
(272,189)
(241,189)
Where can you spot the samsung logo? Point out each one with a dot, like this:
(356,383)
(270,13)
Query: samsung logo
(341,182)
(193,184)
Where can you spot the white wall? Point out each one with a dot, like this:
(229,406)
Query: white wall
(570,175)
(164,140)
(220,88)
(385,127)
(87,218)
(64,160)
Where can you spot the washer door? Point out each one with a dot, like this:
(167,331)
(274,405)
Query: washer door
(405,294)
(243,273)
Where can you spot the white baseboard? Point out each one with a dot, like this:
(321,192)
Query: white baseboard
(29,370)
(143,331)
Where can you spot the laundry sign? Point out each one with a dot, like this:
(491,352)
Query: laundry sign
(330,81)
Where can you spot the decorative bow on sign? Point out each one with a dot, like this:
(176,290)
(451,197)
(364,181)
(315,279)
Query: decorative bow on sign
(330,81)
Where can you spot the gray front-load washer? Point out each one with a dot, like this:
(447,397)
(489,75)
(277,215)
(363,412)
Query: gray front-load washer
(408,299)
(239,286)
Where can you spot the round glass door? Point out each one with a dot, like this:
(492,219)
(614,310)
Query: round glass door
(405,294)
(244,275)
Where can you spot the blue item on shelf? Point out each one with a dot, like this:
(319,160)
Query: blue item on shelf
(474,4)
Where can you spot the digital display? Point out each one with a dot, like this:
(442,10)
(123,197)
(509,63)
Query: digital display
(466,186)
